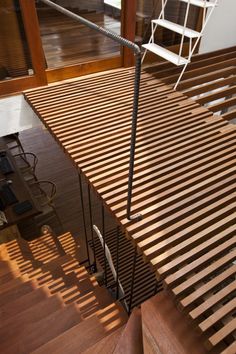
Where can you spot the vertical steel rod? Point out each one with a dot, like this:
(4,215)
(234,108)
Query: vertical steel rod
(104,246)
(132,281)
(117,261)
(91,229)
(133,138)
(83,216)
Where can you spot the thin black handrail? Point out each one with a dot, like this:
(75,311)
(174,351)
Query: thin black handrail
(137,52)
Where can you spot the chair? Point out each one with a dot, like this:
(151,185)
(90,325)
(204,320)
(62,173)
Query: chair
(13,142)
(45,193)
(27,162)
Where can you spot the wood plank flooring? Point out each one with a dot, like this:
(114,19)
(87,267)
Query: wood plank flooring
(184,180)
(67,42)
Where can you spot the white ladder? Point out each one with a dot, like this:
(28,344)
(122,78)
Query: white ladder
(178,59)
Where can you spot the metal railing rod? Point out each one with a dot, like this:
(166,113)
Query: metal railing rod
(91,229)
(104,246)
(137,52)
(132,281)
(117,261)
(84,218)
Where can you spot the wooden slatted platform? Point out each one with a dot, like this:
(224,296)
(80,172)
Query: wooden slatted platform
(184,181)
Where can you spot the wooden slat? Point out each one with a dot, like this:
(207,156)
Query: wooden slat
(222,333)
(231,349)
(216,95)
(225,104)
(201,261)
(199,310)
(218,315)
(201,79)
(208,286)
(210,86)
(229,115)
(200,276)
(163,270)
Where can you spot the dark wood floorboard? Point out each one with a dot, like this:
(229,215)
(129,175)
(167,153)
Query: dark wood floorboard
(67,42)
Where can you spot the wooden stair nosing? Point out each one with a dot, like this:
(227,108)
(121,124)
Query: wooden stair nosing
(31,337)
(75,340)
(107,344)
(41,309)
(19,289)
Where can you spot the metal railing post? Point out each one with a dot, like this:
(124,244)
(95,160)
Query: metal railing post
(117,261)
(104,245)
(83,216)
(91,229)
(132,281)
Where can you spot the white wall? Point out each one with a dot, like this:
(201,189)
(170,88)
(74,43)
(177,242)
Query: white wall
(16,115)
(220,31)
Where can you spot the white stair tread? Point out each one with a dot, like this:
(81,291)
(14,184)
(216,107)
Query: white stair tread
(177,28)
(165,53)
(200,3)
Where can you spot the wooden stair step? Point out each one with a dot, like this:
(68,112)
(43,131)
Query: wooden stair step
(161,334)
(55,264)
(6,266)
(31,336)
(107,344)
(22,303)
(42,249)
(8,274)
(19,289)
(19,261)
(65,283)
(75,340)
(131,340)
(94,301)
(69,244)
(51,283)
(112,316)
(58,267)
(12,327)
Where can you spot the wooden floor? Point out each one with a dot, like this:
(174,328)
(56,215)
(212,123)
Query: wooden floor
(67,42)
(184,181)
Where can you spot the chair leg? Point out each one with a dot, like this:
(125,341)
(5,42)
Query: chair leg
(19,144)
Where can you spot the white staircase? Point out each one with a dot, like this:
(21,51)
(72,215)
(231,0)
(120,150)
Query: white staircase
(177,59)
